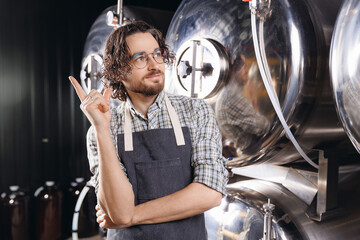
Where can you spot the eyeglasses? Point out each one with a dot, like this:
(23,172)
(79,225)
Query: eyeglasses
(140,60)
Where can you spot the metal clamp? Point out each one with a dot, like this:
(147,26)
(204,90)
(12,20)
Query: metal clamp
(202,67)
(325,205)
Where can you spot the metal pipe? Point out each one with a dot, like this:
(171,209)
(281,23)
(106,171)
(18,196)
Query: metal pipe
(194,48)
(120,11)
(268,220)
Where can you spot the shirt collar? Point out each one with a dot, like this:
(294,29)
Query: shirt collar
(159,101)
(158,104)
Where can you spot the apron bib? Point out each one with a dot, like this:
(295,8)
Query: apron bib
(159,165)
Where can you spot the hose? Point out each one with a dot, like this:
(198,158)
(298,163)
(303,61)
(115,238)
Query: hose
(266,77)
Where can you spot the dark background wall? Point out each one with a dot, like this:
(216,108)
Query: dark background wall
(42,129)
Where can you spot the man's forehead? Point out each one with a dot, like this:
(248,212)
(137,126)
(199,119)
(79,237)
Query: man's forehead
(141,42)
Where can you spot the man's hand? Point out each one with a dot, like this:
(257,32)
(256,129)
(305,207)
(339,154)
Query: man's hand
(104,221)
(95,106)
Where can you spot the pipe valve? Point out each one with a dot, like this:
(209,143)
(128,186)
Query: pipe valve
(269,208)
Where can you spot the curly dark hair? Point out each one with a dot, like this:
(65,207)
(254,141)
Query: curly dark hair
(117,58)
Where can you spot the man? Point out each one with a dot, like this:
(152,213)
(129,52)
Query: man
(156,159)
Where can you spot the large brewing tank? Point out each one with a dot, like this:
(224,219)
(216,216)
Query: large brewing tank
(207,34)
(345,69)
(91,64)
(216,61)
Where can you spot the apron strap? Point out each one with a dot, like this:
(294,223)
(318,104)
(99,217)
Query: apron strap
(175,123)
(128,141)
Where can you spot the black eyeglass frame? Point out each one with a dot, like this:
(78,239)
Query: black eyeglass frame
(146,56)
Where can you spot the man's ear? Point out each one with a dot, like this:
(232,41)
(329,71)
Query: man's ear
(122,80)
(123,83)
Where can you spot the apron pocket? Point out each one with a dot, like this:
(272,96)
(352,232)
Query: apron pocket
(159,178)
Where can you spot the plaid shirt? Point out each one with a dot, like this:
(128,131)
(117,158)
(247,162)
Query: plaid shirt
(207,161)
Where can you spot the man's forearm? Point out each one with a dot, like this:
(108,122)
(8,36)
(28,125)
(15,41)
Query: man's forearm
(196,198)
(115,193)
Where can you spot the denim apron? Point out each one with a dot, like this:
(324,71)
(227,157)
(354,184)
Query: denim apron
(159,165)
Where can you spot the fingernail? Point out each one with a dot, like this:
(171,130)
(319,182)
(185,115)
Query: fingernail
(69,78)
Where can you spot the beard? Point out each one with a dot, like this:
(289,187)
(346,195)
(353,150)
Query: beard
(147,90)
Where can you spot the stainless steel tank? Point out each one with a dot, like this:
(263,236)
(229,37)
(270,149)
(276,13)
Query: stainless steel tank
(345,69)
(216,61)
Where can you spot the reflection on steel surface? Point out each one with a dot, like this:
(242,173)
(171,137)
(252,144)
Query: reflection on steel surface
(296,48)
(261,58)
(301,183)
(247,197)
(300,186)
(241,217)
(345,68)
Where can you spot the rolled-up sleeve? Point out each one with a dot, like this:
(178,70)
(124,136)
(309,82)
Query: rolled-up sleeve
(93,157)
(208,162)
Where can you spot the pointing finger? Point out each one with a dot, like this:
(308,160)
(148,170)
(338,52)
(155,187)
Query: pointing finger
(79,90)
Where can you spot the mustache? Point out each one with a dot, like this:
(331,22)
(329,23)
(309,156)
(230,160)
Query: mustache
(155,72)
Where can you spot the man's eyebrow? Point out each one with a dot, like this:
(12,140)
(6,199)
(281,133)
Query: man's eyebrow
(142,53)
(138,54)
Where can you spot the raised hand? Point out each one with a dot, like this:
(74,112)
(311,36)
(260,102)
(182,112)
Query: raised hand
(95,106)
